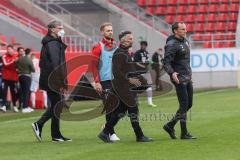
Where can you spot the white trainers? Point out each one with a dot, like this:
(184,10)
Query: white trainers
(114,137)
(26,110)
(30,109)
(3,108)
(15,109)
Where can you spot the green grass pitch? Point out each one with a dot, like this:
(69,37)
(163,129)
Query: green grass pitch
(214,119)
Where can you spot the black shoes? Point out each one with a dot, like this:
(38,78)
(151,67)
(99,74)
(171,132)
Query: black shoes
(144,139)
(170,131)
(37,131)
(187,136)
(104,137)
(61,139)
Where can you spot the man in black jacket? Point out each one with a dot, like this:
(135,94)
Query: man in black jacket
(177,65)
(124,80)
(51,58)
(142,56)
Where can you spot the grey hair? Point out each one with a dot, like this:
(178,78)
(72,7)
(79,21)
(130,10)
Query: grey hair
(53,24)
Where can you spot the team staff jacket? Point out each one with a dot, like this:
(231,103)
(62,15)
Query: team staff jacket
(177,58)
(97,51)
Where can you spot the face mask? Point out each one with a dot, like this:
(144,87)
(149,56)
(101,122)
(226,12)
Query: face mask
(61,33)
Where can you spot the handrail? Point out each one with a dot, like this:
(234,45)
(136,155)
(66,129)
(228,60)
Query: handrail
(77,43)
(28,22)
(155,22)
(86,28)
(201,38)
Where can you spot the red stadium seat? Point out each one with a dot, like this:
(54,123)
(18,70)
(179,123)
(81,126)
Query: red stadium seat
(200,18)
(180,18)
(181,9)
(218,44)
(230,36)
(183,2)
(229,44)
(152,2)
(172,2)
(203,1)
(202,9)
(223,8)
(224,1)
(235,1)
(190,27)
(14,41)
(221,26)
(3,41)
(213,8)
(191,9)
(190,18)
(233,16)
(207,36)
(219,36)
(211,17)
(150,11)
(222,17)
(207,45)
(213,1)
(234,8)
(161,3)
(199,27)
(169,19)
(141,3)
(194,2)
(197,37)
(160,11)
(232,26)
(210,27)
(171,10)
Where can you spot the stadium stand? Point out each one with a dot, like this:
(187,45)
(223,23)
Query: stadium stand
(201,17)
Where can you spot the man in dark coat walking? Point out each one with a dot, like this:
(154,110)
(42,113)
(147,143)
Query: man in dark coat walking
(177,64)
(125,80)
(52,61)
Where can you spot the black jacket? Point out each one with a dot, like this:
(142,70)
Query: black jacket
(140,54)
(177,58)
(124,68)
(51,58)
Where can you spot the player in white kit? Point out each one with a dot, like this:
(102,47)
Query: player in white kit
(35,83)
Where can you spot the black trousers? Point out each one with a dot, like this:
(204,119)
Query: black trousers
(53,112)
(120,112)
(107,86)
(12,85)
(185,98)
(25,83)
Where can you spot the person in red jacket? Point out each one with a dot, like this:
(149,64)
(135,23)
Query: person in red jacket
(10,77)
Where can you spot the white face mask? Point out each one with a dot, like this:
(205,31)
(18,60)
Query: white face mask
(61,33)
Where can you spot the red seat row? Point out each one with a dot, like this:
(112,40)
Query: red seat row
(208,36)
(191,18)
(227,44)
(193,9)
(212,27)
(143,3)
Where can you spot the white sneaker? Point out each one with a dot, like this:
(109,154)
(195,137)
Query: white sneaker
(26,110)
(30,109)
(15,109)
(114,137)
(3,108)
